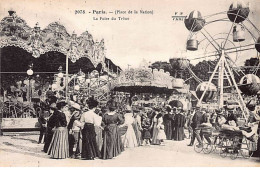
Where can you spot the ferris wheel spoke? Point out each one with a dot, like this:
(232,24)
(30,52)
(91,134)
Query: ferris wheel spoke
(217,49)
(233,23)
(234,64)
(252,35)
(247,19)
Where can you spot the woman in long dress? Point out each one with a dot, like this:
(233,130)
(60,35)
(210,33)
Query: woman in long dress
(90,149)
(129,138)
(50,126)
(155,140)
(146,125)
(59,146)
(111,141)
(179,122)
(98,129)
(137,127)
(168,123)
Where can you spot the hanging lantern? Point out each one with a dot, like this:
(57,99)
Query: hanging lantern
(194,22)
(210,93)
(37,28)
(192,45)
(60,74)
(249,84)
(74,35)
(238,11)
(238,33)
(257,45)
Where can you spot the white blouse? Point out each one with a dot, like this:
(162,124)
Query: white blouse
(90,117)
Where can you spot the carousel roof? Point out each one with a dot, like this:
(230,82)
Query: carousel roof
(146,80)
(14,31)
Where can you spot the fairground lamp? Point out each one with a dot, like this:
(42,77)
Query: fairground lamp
(60,74)
(30,73)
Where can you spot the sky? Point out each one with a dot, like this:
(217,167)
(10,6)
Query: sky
(147,37)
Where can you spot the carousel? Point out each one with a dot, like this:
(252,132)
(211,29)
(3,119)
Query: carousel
(145,87)
(37,63)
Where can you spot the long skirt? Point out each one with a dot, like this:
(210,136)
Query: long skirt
(155,140)
(161,134)
(89,144)
(99,139)
(179,134)
(168,130)
(112,144)
(59,146)
(138,133)
(146,134)
(129,138)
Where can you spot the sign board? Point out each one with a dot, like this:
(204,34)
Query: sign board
(19,123)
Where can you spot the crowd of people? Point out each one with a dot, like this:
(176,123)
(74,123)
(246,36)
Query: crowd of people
(89,132)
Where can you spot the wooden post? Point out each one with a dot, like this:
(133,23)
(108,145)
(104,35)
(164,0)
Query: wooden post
(221,80)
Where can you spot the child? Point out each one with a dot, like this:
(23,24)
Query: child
(146,125)
(161,134)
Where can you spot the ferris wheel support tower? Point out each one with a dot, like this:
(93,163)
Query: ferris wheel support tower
(223,48)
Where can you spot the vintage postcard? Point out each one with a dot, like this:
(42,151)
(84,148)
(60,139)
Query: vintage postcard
(129,83)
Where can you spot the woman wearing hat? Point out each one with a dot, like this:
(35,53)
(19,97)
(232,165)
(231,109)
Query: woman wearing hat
(50,126)
(137,126)
(90,149)
(179,122)
(168,122)
(155,140)
(129,139)
(59,146)
(112,144)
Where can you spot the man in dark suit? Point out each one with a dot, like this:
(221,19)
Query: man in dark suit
(196,121)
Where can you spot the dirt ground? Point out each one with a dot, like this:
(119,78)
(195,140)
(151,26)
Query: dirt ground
(21,149)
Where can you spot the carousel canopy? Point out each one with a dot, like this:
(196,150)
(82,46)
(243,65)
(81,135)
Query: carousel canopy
(145,77)
(47,49)
(14,31)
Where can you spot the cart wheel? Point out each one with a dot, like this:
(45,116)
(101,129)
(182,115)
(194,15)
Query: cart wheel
(197,148)
(246,153)
(234,154)
(207,148)
(223,149)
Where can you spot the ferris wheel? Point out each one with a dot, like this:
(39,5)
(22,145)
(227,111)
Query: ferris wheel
(224,39)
